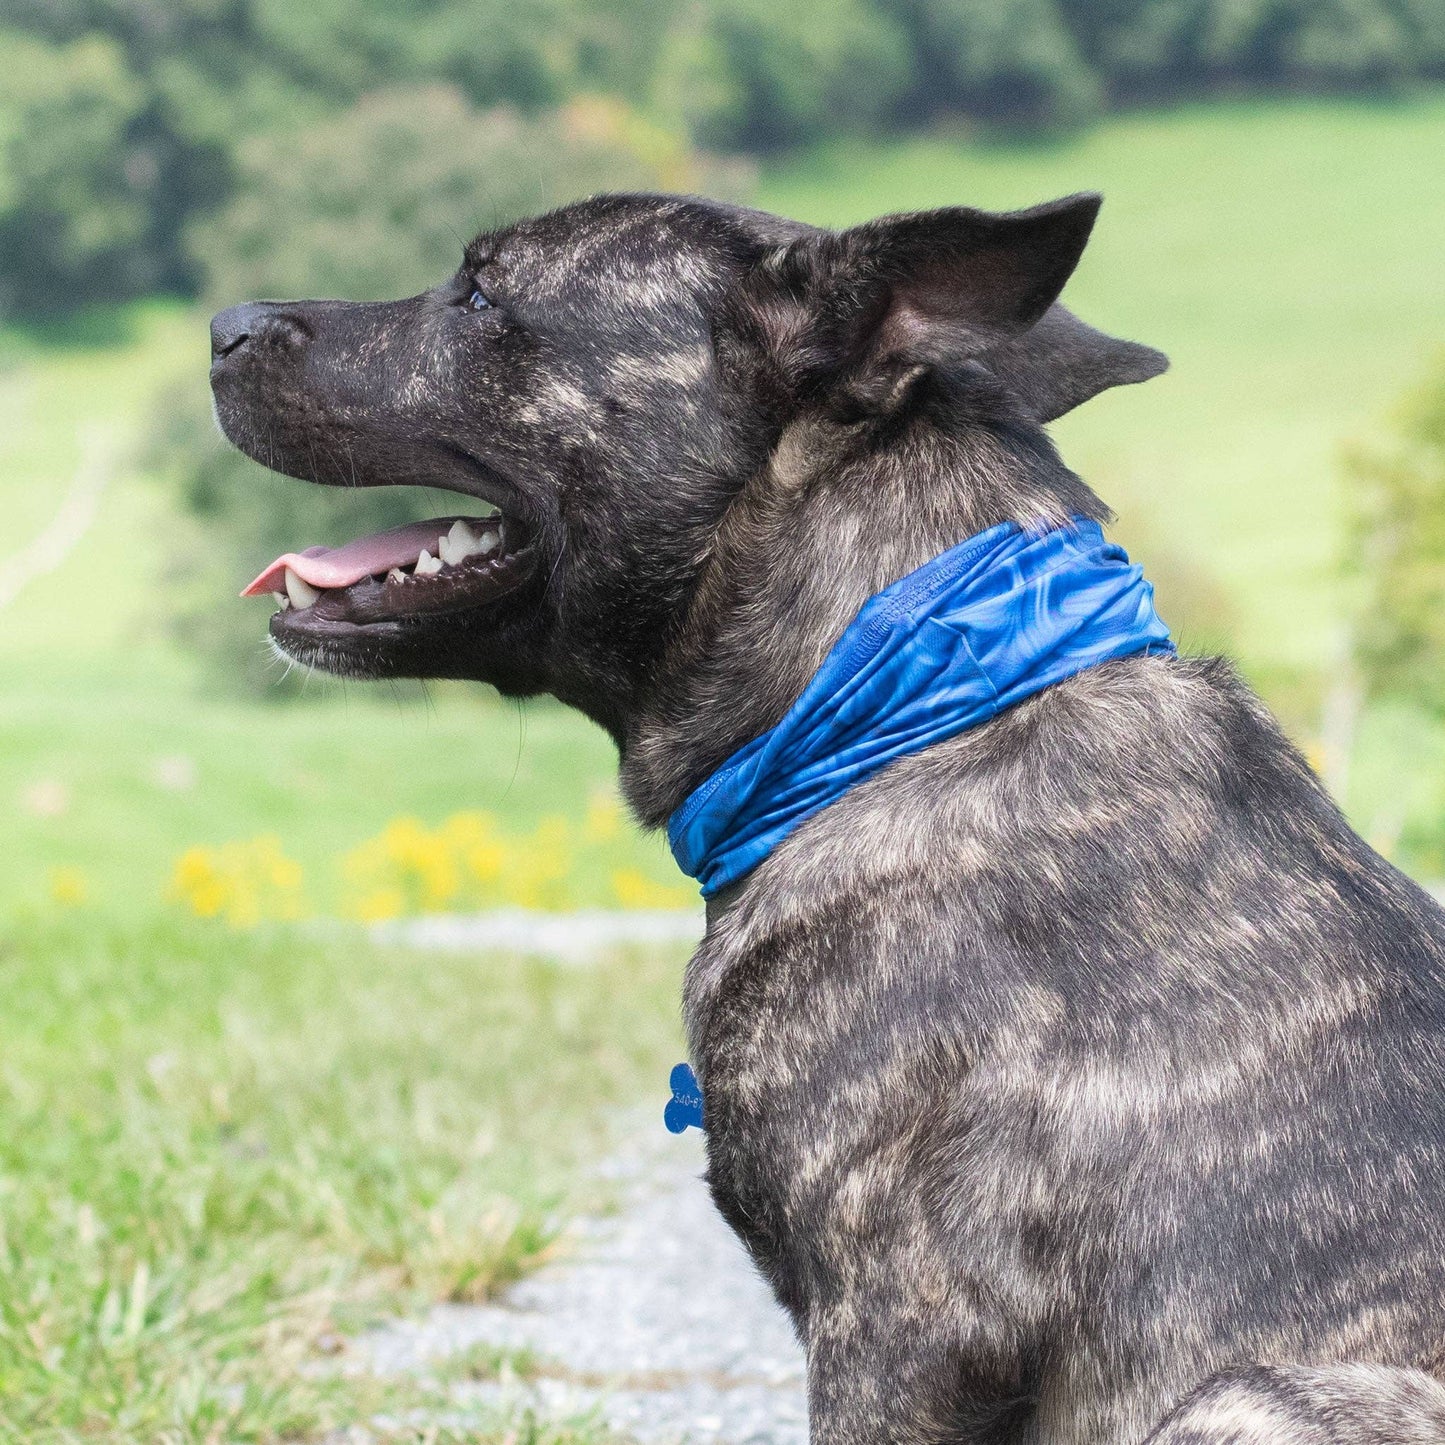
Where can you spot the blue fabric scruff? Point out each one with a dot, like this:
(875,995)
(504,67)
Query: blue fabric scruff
(993,620)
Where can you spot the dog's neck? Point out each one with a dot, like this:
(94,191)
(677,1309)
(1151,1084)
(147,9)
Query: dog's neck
(825,525)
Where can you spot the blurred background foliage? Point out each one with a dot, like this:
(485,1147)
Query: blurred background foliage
(160,154)
(135,135)
(1396,550)
(221,149)
(379,195)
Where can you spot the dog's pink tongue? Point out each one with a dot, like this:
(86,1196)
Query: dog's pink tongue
(366,557)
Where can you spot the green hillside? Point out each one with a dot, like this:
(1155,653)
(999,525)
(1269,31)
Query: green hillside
(1288,260)
(1285,256)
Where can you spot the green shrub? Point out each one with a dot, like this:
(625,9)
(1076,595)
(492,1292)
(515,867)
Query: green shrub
(1397,553)
(74,177)
(125,124)
(1012,61)
(1157,48)
(757,75)
(377,200)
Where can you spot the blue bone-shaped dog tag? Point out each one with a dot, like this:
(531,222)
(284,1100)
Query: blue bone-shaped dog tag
(685,1106)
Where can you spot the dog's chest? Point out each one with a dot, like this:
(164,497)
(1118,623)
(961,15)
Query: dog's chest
(836,1099)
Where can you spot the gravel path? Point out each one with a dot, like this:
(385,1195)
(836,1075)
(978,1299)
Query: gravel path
(573,938)
(654,1318)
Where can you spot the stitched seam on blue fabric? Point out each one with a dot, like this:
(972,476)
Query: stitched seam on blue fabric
(909,587)
(700,795)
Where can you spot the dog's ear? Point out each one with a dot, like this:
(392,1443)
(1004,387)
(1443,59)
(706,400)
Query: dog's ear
(869,310)
(1060,362)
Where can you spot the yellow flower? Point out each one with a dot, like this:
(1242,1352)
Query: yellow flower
(196,882)
(246,883)
(69,887)
(379,906)
(424,859)
(479,850)
(604,820)
(540,866)
(410,868)
(634,889)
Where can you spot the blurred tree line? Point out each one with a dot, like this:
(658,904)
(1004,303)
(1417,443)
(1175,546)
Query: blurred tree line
(137,135)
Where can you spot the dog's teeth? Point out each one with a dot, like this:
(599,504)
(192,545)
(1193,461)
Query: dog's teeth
(488,542)
(458,544)
(396,575)
(427,565)
(282,600)
(301,592)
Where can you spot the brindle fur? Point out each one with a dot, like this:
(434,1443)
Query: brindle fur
(1075,1080)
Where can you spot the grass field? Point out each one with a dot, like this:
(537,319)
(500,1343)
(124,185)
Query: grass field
(217,1160)
(1287,257)
(112,778)
(218,1148)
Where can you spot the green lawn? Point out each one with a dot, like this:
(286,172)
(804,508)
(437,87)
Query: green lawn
(90,386)
(222,1153)
(116,777)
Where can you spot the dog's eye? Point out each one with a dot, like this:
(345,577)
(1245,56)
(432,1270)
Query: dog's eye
(477,301)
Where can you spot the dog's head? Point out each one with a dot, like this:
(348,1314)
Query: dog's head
(609,377)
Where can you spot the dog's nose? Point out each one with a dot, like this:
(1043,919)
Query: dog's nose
(233,328)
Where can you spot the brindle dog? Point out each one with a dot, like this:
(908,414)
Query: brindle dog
(1075,1080)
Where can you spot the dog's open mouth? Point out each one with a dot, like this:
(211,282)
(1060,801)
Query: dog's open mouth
(447,564)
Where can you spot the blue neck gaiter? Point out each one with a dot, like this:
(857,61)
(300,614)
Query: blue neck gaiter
(990,622)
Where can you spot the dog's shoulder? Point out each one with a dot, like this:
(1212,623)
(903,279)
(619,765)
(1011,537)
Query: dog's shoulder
(1140,840)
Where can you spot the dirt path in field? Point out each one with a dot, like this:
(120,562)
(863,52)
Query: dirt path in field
(72,520)
(654,1320)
